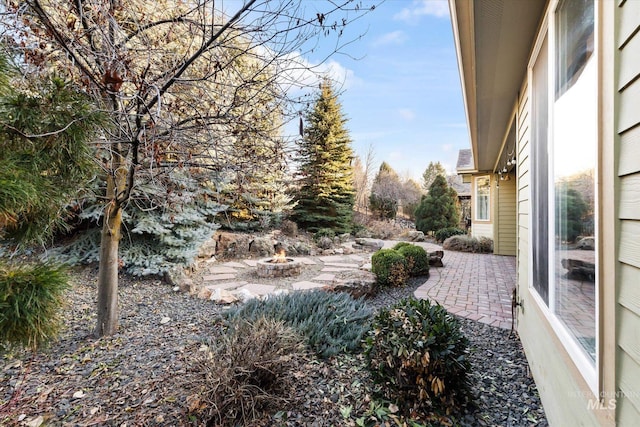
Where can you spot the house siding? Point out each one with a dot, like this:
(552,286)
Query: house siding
(628,130)
(505,235)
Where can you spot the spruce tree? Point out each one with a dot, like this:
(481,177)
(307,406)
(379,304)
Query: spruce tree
(438,209)
(326,195)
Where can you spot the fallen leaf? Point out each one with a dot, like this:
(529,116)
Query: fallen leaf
(35,422)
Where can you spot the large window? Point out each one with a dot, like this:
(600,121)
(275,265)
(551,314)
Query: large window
(483,190)
(564,159)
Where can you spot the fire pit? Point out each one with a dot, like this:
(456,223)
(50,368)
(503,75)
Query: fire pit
(278,266)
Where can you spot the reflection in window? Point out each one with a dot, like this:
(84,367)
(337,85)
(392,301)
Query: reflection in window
(574,153)
(482,198)
(574,35)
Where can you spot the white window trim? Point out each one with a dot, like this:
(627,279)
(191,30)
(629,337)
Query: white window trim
(591,372)
(475,214)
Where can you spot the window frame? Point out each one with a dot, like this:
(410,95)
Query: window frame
(590,370)
(477,197)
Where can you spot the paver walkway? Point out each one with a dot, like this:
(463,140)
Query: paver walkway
(475,286)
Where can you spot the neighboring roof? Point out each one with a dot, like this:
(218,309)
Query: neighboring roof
(462,188)
(465,161)
(493,42)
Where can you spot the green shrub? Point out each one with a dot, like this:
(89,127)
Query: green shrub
(468,244)
(390,267)
(417,259)
(444,233)
(249,368)
(418,355)
(31,297)
(330,322)
(324,232)
(401,245)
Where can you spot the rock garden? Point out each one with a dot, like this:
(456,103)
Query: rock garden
(305,356)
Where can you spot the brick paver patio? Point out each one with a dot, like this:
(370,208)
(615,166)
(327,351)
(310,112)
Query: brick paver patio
(474,286)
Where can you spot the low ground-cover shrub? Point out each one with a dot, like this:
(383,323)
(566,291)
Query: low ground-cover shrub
(482,245)
(390,267)
(418,355)
(330,322)
(444,233)
(417,258)
(31,297)
(247,369)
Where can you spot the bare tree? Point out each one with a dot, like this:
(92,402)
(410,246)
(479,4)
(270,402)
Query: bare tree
(362,179)
(180,81)
(386,192)
(410,198)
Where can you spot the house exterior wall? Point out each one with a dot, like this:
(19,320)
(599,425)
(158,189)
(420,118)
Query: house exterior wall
(627,129)
(505,213)
(566,396)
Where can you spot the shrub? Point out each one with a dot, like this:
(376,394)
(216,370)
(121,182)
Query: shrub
(485,245)
(390,267)
(468,244)
(444,233)
(417,258)
(330,322)
(31,298)
(289,228)
(418,355)
(324,232)
(401,245)
(248,369)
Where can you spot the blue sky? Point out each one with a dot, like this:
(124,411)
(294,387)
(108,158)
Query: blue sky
(403,96)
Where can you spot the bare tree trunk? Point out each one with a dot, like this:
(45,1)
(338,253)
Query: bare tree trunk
(108,273)
(109,262)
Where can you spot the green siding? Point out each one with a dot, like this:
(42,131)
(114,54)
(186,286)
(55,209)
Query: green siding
(628,126)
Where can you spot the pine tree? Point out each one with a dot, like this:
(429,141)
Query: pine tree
(45,129)
(438,209)
(430,173)
(326,195)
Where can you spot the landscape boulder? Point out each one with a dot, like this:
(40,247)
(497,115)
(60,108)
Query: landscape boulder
(435,258)
(262,246)
(586,244)
(416,236)
(368,244)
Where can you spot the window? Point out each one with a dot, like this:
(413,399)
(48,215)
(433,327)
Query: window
(563,169)
(483,189)
(540,173)
(574,160)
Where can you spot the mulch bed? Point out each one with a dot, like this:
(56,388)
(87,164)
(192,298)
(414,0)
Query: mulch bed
(141,376)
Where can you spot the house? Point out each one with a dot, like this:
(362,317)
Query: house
(552,96)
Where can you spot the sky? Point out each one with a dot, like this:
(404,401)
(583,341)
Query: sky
(401,92)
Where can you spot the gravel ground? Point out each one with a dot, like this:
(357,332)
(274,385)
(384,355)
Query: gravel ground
(140,376)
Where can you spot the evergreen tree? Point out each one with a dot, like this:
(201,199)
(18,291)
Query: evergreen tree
(430,173)
(45,130)
(386,192)
(570,212)
(326,195)
(438,209)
